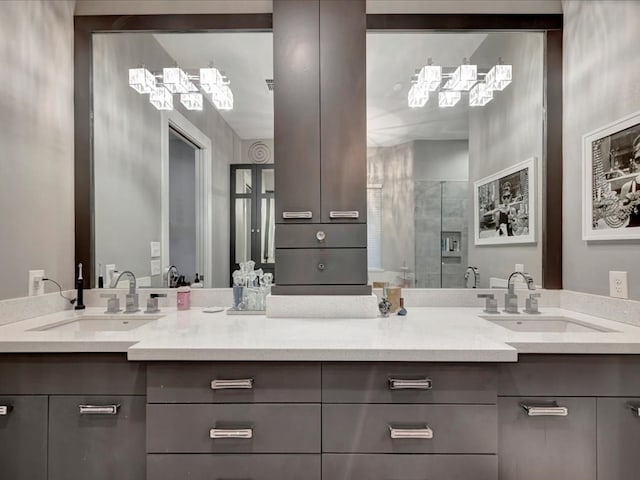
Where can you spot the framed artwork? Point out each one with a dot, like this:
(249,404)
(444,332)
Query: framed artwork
(504,206)
(611,181)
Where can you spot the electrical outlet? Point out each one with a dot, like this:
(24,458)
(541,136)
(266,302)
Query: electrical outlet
(155,249)
(156,267)
(618,287)
(36,284)
(519,267)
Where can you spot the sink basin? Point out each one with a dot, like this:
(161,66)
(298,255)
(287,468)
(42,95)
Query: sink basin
(521,323)
(100,323)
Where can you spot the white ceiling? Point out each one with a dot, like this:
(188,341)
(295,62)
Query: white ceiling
(247,59)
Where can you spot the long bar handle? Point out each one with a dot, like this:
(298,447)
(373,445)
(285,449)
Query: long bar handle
(306,214)
(545,410)
(5,409)
(635,409)
(420,433)
(99,409)
(244,383)
(403,384)
(245,433)
(344,214)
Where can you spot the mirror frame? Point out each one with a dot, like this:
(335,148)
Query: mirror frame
(549,24)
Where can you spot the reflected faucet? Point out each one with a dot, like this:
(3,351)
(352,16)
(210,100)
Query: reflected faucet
(172,275)
(476,276)
(132,296)
(510,298)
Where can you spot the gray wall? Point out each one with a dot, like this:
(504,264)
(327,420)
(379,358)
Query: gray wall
(36,143)
(601,85)
(506,131)
(441,159)
(127,158)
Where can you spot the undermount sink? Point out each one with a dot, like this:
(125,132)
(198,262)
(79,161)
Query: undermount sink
(526,323)
(100,323)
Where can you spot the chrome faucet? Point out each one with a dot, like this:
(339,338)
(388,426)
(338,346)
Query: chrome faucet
(132,296)
(172,275)
(510,298)
(476,276)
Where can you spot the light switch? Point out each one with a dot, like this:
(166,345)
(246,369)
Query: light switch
(156,267)
(155,249)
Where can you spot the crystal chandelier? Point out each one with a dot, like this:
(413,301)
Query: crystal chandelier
(463,79)
(174,80)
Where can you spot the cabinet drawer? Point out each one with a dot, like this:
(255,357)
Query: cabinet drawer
(233,383)
(222,467)
(367,428)
(618,438)
(571,376)
(275,428)
(321,236)
(96,446)
(23,437)
(410,467)
(321,266)
(547,447)
(408,383)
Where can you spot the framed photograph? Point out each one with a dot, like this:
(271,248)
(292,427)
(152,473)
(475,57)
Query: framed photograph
(611,181)
(504,206)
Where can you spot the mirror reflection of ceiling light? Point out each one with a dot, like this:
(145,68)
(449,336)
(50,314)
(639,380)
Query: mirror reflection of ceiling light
(448,98)
(498,77)
(430,76)
(418,95)
(480,95)
(463,78)
(160,87)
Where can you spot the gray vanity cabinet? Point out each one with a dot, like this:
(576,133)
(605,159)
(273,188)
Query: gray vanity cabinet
(23,437)
(547,447)
(618,438)
(95,444)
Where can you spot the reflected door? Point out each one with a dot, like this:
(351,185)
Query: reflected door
(253,216)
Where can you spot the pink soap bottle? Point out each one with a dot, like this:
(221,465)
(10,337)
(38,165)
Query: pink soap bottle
(184,296)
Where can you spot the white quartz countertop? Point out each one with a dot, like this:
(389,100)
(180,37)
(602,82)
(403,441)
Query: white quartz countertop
(425,334)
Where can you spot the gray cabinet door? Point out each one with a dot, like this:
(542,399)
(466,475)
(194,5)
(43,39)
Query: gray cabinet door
(618,439)
(547,447)
(96,447)
(23,437)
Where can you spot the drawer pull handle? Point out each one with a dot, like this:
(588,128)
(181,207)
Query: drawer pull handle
(5,409)
(420,433)
(99,409)
(635,409)
(297,214)
(401,384)
(246,433)
(245,383)
(551,410)
(344,214)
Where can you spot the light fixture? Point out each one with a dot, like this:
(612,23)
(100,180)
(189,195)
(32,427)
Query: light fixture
(418,95)
(480,95)
(212,81)
(142,80)
(161,98)
(175,80)
(191,101)
(499,76)
(463,78)
(448,98)
(430,76)
(224,99)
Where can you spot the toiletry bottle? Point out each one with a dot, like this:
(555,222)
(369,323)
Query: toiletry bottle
(184,295)
(197,283)
(80,290)
(403,311)
(100,278)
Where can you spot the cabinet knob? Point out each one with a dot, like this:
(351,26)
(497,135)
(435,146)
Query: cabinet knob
(321,236)
(321,266)
(423,432)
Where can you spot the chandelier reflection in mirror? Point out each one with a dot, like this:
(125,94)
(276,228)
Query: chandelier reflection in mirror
(466,78)
(174,80)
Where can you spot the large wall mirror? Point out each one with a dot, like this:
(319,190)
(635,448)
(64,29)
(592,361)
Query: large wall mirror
(447,112)
(181,123)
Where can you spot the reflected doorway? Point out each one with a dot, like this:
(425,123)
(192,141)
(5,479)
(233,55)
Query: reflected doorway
(253,216)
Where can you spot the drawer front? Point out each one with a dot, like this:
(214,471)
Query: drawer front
(225,467)
(322,266)
(367,428)
(618,438)
(410,467)
(571,376)
(23,437)
(408,383)
(547,447)
(233,383)
(321,236)
(71,374)
(96,446)
(275,428)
